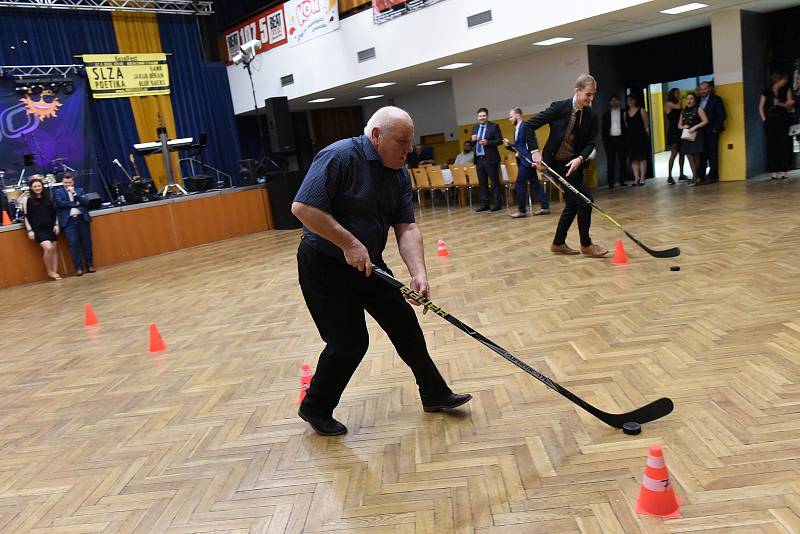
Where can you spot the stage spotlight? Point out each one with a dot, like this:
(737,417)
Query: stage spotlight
(68,87)
(37,89)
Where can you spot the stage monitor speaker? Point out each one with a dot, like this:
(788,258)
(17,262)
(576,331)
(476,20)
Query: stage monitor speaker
(279,125)
(248,172)
(94,200)
(282,188)
(198,184)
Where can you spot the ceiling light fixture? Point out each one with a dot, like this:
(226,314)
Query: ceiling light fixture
(320,100)
(684,8)
(453,66)
(554,40)
(370,97)
(432,82)
(379,85)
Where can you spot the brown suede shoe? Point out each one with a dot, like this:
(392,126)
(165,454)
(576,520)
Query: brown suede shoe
(541,211)
(518,215)
(563,249)
(595,251)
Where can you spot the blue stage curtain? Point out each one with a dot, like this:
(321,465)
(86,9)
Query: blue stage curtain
(201,98)
(53,38)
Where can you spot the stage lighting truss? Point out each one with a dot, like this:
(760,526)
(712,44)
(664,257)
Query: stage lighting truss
(172,7)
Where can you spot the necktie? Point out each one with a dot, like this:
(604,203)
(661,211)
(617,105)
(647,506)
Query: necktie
(566,150)
(481,133)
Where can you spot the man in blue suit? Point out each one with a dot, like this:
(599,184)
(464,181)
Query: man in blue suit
(526,172)
(486,137)
(72,209)
(715,111)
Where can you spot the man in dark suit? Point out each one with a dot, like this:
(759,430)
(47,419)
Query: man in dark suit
(573,130)
(486,137)
(715,111)
(613,132)
(526,172)
(72,209)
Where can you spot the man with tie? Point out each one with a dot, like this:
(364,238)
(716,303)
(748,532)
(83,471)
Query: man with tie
(72,209)
(486,137)
(526,172)
(614,142)
(715,111)
(573,129)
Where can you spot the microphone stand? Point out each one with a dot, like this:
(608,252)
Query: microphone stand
(262,146)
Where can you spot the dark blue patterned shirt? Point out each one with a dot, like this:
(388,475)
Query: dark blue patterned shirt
(348,180)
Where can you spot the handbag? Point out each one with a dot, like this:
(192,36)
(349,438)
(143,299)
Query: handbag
(686,136)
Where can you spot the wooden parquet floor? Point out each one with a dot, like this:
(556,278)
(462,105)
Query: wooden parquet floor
(97,435)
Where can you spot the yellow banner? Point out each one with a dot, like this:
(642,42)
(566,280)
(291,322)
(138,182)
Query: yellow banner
(124,75)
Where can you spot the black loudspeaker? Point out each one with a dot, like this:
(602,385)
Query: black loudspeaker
(197,184)
(279,125)
(282,187)
(248,172)
(94,200)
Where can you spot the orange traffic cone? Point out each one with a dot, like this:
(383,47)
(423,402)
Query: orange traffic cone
(441,248)
(656,497)
(620,258)
(6,218)
(91,318)
(305,381)
(156,343)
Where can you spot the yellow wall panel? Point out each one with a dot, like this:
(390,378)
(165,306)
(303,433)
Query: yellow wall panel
(137,33)
(732,161)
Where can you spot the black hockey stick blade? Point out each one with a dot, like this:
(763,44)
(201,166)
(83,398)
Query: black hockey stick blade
(668,253)
(645,414)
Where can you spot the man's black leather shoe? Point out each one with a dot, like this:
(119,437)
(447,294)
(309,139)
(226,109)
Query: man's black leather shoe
(324,427)
(448,403)
(482,208)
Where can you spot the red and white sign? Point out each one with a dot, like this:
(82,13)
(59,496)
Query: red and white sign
(307,19)
(269,27)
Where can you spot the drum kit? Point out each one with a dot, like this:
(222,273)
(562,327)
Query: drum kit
(17,194)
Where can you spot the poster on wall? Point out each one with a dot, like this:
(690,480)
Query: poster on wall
(307,19)
(50,127)
(386,10)
(269,27)
(125,75)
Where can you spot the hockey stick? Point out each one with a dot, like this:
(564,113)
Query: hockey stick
(549,173)
(655,410)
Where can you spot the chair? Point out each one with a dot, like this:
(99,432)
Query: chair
(459,172)
(421,179)
(513,172)
(436,179)
(414,187)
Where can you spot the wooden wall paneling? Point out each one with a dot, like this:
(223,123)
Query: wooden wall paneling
(21,259)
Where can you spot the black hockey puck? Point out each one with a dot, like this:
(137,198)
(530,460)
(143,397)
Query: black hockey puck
(674,268)
(632,428)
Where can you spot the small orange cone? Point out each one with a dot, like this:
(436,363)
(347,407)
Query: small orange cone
(91,318)
(620,258)
(6,219)
(441,248)
(156,343)
(656,497)
(305,381)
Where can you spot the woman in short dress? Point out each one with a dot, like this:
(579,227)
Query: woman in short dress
(693,118)
(42,224)
(672,108)
(775,106)
(638,138)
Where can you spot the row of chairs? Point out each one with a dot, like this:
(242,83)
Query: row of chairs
(465,177)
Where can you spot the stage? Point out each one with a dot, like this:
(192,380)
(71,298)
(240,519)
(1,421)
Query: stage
(136,231)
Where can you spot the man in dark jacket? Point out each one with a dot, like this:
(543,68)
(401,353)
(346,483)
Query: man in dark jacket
(486,137)
(715,111)
(72,209)
(573,130)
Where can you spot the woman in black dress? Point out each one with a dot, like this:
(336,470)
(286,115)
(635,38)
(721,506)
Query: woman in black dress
(638,139)
(775,106)
(672,108)
(693,118)
(42,224)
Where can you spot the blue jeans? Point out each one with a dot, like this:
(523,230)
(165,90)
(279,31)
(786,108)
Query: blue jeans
(529,174)
(79,235)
